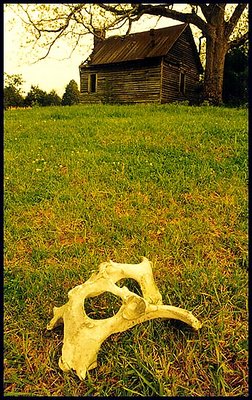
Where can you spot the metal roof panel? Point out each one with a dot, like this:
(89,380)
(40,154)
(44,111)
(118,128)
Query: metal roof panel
(136,46)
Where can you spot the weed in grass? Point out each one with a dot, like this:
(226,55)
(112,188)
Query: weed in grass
(86,184)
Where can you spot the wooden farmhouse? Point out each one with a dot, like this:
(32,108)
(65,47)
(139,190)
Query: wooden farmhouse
(159,66)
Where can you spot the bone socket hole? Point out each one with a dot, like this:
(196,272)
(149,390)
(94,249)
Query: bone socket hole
(131,284)
(104,306)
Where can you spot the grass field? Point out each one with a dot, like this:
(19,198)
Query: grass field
(85,184)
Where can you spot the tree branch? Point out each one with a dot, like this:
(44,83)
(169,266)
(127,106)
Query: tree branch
(160,11)
(50,45)
(65,20)
(165,11)
(231,24)
(239,41)
(205,11)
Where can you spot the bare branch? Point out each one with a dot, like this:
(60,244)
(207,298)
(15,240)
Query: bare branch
(129,27)
(190,18)
(135,10)
(231,24)
(74,47)
(50,45)
(77,20)
(205,11)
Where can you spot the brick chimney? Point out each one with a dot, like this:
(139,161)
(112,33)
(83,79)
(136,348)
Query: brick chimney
(99,36)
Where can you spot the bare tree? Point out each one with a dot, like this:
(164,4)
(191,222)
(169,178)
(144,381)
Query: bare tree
(50,22)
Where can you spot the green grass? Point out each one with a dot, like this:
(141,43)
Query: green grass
(85,184)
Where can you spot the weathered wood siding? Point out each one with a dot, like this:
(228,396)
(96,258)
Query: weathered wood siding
(170,84)
(127,83)
(182,51)
(181,58)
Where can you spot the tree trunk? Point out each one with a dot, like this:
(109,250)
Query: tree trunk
(216,49)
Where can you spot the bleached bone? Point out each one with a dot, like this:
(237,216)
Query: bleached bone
(83,336)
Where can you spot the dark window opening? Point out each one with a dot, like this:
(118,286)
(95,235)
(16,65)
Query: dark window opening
(92,83)
(182,79)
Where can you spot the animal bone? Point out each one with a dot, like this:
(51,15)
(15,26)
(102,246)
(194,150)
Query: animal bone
(83,336)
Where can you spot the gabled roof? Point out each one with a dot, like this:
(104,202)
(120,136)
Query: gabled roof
(136,46)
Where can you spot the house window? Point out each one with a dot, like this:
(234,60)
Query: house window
(92,83)
(182,81)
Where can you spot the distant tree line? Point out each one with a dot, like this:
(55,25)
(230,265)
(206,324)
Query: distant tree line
(13,96)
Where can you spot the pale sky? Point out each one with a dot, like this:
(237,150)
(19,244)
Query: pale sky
(54,72)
